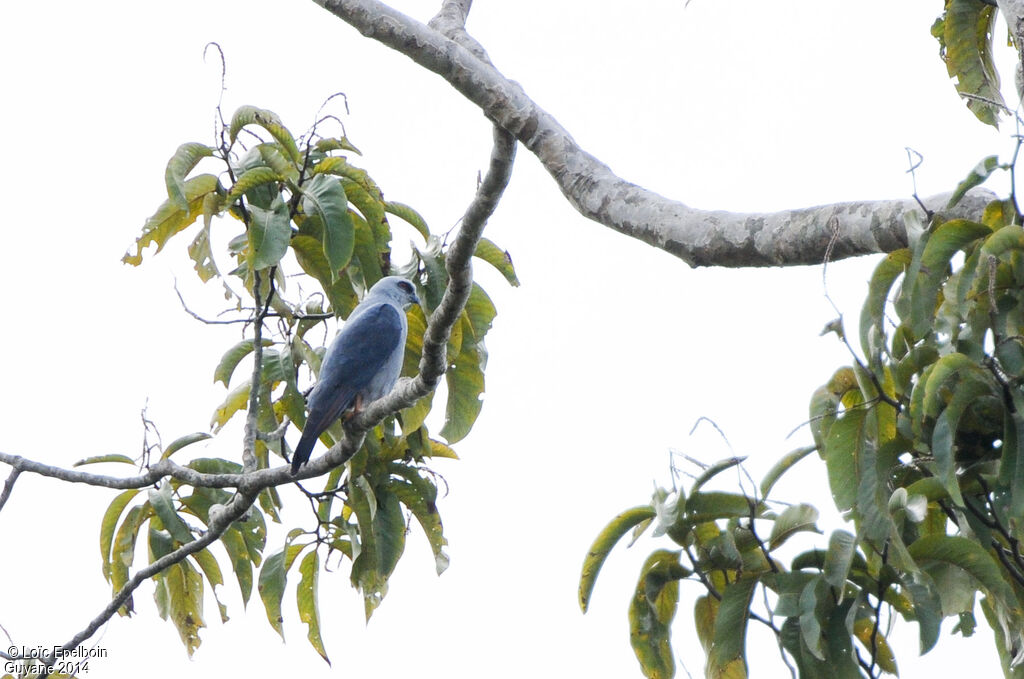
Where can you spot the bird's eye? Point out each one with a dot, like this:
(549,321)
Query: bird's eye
(405,286)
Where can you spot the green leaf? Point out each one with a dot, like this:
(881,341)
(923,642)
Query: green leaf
(336,144)
(123,554)
(971,557)
(185,599)
(711,505)
(273,577)
(864,630)
(713,471)
(241,564)
(324,197)
(941,245)
(872,316)
(389,530)
(842,546)
(728,650)
(237,399)
(161,502)
(927,608)
(309,252)
(268,120)
(182,441)
(784,464)
(108,524)
(967,36)
(199,249)
(602,546)
(793,519)
(211,569)
(481,312)
(409,215)
(498,258)
(181,163)
(270,232)
(170,219)
(260,175)
(651,612)
(419,496)
(307,598)
(110,457)
(985,167)
(465,380)
(845,443)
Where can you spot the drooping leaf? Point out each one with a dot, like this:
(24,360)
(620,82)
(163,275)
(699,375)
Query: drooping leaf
(971,557)
(185,603)
(465,380)
(845,442)
(185,158)
(261,175)
(270,233)
(324,197)
(498,258)
(784,464)
(273,577)
(872,315)
(651,612)
(237,399)
(170,219)
(602,546)
(162,504)
(793,519)
(307,596)
(967,38)
(728,650)
(419,495)
(842,546)
(864,630)
(713,471)
(109,523)
(268,120)
(409,215)
(942,244)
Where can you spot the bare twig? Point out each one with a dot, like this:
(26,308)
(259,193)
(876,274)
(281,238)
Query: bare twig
(8,486)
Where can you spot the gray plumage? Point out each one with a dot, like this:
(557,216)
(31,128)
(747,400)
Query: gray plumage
(362,363)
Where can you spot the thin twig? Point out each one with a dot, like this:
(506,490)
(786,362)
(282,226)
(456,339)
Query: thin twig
(8,487)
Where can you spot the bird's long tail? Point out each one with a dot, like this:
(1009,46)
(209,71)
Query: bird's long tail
(305,447)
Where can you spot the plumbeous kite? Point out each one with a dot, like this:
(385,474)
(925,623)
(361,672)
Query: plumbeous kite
(363,362)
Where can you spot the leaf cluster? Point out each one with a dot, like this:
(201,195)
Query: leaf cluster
(923,443)
(304,218)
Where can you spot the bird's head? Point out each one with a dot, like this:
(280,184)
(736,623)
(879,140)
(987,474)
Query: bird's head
(398,290)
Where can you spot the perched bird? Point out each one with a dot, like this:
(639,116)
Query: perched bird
(363,362)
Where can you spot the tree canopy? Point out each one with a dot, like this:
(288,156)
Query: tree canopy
(305,212)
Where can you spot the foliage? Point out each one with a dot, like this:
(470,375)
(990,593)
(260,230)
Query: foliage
(923,443)
(305,198)
(964,32)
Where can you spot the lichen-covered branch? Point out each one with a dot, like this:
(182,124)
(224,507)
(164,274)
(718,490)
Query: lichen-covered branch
(698,237)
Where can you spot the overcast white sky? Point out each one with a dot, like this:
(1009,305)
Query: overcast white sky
(600,363)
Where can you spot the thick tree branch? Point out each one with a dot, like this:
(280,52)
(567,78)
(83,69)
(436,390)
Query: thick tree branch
(698,237)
